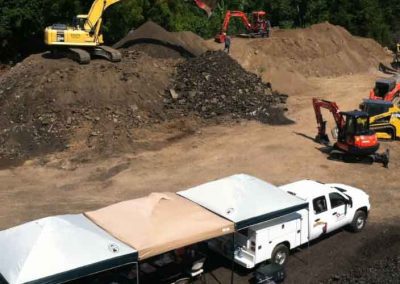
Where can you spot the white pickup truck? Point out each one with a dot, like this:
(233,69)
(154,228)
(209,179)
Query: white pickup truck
(330,207)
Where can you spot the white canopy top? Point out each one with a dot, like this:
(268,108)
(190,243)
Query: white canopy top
(244,200)
(59,249)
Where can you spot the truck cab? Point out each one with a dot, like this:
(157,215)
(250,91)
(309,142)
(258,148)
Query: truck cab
(331,206)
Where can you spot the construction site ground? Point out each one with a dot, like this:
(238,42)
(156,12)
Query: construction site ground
(52,184)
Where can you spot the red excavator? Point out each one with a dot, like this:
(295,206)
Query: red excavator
(258,26)
(355,140)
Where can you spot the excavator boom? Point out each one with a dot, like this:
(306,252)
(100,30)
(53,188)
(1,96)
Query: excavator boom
(334,109)
(96,12)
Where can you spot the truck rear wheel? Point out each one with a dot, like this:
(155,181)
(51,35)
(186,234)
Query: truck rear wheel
(359,221)
(280,254)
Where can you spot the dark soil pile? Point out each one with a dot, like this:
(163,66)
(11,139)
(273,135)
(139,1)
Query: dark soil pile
(186,43)
(385,270)
(214,85)
(49,105)
(377,261)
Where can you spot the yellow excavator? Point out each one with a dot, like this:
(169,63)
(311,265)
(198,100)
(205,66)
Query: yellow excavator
(84,38)
(384,118)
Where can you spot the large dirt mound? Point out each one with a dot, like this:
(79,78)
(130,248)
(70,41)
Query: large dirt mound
(291,56)
(54,104)
(186,43)
(215,85)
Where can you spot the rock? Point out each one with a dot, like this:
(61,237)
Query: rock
(174,94)
(134,108)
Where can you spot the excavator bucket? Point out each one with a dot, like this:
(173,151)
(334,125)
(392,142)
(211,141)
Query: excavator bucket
(206,5)
(388,70)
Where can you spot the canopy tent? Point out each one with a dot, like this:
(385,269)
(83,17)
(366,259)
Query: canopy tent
(159,223)
(244,200)
(59,249)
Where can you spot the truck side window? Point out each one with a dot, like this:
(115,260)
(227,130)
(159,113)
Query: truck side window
(319,205)
(336,199)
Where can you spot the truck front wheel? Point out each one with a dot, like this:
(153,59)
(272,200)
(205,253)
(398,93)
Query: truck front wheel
(359,221)
(280,254)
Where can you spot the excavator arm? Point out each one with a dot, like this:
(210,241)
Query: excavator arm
(237,14)
(94,17)
(334,109)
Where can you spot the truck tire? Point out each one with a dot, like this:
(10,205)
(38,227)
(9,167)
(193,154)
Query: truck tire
(359,221)
(280,254)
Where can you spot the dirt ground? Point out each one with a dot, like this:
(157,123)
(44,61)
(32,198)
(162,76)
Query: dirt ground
(278,154)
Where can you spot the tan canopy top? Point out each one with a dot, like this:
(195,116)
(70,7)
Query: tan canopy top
(159,223)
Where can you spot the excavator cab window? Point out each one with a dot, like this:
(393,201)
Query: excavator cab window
(357,125)
(78,23)
(376,108)
(383,87)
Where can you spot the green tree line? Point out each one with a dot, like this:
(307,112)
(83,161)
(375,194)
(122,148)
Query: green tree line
(22,21)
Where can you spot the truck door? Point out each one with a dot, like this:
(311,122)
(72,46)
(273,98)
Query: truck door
(337,211)
(319,217)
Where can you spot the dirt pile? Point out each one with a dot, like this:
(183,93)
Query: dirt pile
(161,41)
(378,260)
(215,85)
(289,57)
(52,104)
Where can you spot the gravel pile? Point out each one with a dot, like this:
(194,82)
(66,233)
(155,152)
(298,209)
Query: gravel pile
(215,85)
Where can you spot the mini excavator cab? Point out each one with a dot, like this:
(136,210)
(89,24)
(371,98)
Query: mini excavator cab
(356,137)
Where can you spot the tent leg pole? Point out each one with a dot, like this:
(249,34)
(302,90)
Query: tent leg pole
(233,257)
(137,273)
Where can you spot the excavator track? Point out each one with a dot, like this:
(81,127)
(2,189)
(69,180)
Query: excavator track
(109,53)
(79,55)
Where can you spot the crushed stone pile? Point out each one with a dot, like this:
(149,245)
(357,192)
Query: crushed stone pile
(215,85)
(157,41)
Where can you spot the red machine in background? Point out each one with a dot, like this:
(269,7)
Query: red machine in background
(206,5)
(257,27)
(355,139)
(387,89)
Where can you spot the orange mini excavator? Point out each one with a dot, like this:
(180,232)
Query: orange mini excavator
(355,140)
(257,27)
